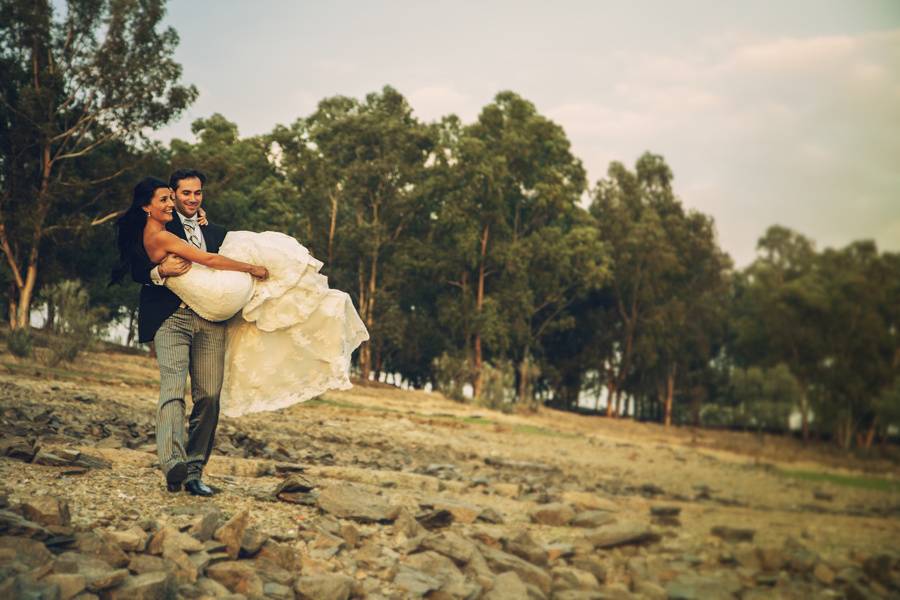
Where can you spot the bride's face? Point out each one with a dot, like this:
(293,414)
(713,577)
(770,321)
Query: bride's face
(161,206)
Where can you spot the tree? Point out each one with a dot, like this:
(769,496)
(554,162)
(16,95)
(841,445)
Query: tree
(75,80)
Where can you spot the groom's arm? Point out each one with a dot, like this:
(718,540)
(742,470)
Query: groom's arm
(146,273)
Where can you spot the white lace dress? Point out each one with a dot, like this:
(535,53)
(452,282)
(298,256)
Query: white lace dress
(289,337)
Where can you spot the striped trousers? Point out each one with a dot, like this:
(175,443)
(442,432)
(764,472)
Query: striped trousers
(187,343)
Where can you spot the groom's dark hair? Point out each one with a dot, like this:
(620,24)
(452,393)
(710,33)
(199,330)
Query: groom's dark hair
(180,174)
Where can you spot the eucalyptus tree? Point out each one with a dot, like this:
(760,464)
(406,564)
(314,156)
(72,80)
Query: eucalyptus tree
(76,76)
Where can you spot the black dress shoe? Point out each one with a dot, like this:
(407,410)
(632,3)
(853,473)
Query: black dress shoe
(175,476)
(195,487)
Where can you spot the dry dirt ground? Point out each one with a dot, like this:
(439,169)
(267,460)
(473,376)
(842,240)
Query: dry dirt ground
(408,494)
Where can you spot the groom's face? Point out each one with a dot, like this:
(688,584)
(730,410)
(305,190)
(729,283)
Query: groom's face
(189,196)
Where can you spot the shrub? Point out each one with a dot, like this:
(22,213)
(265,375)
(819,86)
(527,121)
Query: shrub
(451,375)
(75,322)
(19,343)
(498,386)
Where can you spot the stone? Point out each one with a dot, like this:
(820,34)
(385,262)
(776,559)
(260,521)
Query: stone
(296,483)
(348,501)
(704,586)
(30,553)
(620,534)
(451,544)
(94,544)
(47,510)
(824,574)
(145,563)
(232,533)
(26,587)
(583,501)
(665,511)
(18,448)
(592,518)
(525,547)
(14,525)
(452,582)
(435,519)
(463,512)
(252,541)
(415,583)
(69,584)
(169,540)
(507,586)
(507,490)
(98,574)
(149,586)
(733,534)
(489,515)
(350,534)
(570,578)
(771,559)
(407,525)
(591,563)
(133,539)
(555,513)
(238,576)
(281,555)
(211,587)
(278,591)
(500,562)
(330,586)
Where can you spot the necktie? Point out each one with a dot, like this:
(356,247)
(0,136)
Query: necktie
(193,236)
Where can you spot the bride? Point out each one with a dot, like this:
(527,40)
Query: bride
(289,337)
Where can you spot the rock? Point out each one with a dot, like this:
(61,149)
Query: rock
(199,521)
(620,534)
(820,495)
(30,553)
(278,591)
(407,525)
(591,563)
(415,583)
(555,513)
(500,562)
(350,534)
(98,574)
(507,586)
(525,547)
(211,587)
(24,586)
(450,544)
(592,518)
(149,586)
(329,586)
(295,484)
(558,550)
(824,574)
(584,501)
(665,511)
(232,533)
(463,512)
(771,559)
(570,578)
(452,582)
(435,519)
(18,448)
(650,590)
(280,555)
(252,541)
(47,510)
(238,576)
(144,563)
(489,515)
(186,570)
(69,584)
(95,545)
(130,540)
(348,501)
(507,490)
(733,534)
(169,540)
(15,525)
(697,586)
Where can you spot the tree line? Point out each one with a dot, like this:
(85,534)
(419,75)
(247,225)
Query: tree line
(480,257)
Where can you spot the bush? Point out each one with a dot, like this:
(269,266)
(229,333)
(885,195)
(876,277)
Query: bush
(451,375)
(19,343)
(75,322)
(498,386)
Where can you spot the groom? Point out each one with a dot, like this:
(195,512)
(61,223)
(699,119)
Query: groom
(185,343)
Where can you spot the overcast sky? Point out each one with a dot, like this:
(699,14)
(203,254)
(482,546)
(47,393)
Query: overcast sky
(767,111)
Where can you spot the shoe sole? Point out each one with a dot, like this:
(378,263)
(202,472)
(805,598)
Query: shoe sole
(177,474)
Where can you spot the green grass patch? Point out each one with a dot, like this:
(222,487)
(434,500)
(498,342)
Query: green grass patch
(853,481)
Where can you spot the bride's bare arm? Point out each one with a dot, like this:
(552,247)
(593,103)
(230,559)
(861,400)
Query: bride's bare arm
(172,244)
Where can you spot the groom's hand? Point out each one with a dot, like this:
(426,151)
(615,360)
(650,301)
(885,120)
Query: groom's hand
(173,266)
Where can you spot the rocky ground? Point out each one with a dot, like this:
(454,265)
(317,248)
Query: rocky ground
(382,493)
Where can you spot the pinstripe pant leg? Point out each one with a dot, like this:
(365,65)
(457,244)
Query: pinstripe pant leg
(173,343)
(207,370)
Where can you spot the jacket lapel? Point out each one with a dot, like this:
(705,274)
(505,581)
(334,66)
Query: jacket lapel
(175,226)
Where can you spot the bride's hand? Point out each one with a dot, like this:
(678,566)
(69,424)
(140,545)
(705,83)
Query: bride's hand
(201,217)
(260,273)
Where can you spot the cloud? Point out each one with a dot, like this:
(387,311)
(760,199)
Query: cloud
(791,129)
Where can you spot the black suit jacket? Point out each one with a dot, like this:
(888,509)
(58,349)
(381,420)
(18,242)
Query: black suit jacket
(157,302)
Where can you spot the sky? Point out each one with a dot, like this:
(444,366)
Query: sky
(768,112)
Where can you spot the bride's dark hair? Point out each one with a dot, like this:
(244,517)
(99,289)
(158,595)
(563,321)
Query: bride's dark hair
(131,224)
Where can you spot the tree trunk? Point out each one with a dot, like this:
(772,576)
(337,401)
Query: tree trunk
(131,316)
(477,379)
(523,379)
(670,393)
(331,228)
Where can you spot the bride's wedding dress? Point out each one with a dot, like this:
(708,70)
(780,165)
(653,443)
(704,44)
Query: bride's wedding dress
(289,338)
